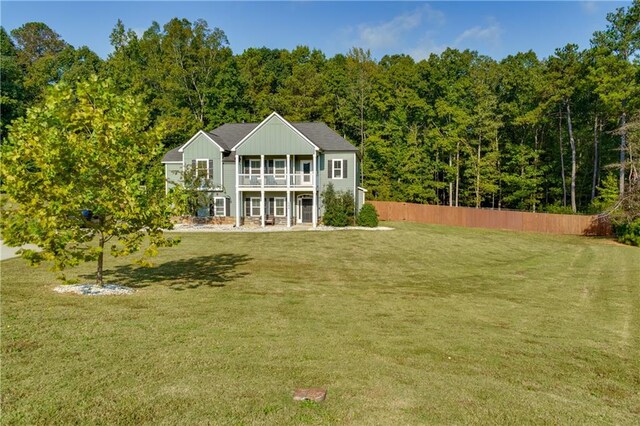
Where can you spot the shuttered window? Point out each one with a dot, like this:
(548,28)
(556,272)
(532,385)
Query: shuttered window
(337,169)
(219,206)
(202,168)
(252,206)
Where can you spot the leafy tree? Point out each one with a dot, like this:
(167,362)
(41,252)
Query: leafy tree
(193,192)
(85,148)
(38,53)
(339,207)
(11,82)
(619,44)
(564,71)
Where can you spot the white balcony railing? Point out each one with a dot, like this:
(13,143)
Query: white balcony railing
(296,180)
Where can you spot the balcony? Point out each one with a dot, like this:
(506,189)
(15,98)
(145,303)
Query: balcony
(296,180)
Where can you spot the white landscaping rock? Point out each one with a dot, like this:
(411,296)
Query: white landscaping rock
(94,289)
(231,228)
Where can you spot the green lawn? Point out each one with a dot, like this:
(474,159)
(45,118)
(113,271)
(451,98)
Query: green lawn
(423,324)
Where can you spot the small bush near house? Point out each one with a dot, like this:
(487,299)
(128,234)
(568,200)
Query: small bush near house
(368,216)
(339,207)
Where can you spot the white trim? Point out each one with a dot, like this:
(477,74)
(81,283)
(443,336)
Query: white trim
(194,138)
(362,189)
(166,179)
(251,202)
(171,162)
(275,114)
(239,199)
(305,175)
(224,206)
(206,160)
(283,174)
(299,199)
(314,167)
(333,168)
(355,182)
(275,206)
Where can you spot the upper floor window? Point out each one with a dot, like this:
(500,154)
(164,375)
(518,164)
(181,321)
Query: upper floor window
(202,167)
(252,167)
(337,169)
(279,167)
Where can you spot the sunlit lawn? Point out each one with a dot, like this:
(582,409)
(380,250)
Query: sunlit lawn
(422,324)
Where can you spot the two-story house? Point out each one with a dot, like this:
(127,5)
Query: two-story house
(271,172)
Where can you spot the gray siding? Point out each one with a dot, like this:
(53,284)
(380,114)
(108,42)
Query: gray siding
(229,184)
(203,148)
(345,184)
(274,138)
(173,174)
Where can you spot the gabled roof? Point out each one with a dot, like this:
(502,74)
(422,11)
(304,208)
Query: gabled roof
(229,135)
(275,115)
(209,136)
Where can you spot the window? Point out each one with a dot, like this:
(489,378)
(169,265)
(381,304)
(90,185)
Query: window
(202,168)
(276,207)
(219,206)
(252,206)
(336,166)
(252,167)
(279,204)
(279,168)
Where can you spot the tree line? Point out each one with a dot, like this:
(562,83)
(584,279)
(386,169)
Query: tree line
(555,134)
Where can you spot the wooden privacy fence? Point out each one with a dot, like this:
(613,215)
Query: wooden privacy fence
(494,219)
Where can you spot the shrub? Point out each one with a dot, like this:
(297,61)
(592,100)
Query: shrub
(368,216)
(628,232)
(338,207)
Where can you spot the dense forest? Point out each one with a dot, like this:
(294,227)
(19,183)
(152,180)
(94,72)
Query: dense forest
(541,134)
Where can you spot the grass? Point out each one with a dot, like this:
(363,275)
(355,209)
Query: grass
(423,324)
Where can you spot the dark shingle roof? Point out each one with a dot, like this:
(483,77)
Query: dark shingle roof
(228,135)
(173,155)
(324,137)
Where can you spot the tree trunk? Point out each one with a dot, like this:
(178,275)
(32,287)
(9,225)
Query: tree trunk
(457,172)
(623,149)
(572,142)
(594,177)
(99,277)
(564,179)
(535,170)
(450,184)
(478,175)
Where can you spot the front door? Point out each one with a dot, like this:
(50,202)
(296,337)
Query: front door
(307,210)
(305,165)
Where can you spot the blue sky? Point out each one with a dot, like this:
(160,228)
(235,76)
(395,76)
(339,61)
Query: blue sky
(496,29)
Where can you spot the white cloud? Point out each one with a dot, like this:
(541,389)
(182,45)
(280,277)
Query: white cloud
(590,7)
(488,36)
(425,47)
(389,34)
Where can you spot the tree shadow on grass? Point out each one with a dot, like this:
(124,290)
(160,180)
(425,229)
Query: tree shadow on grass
(182,274)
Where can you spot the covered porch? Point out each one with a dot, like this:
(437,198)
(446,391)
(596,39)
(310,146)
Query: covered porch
(282,208)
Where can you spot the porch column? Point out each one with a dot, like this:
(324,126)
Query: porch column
(262,171)
(315,190)
(238,199)
(262,218)
(288,199)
